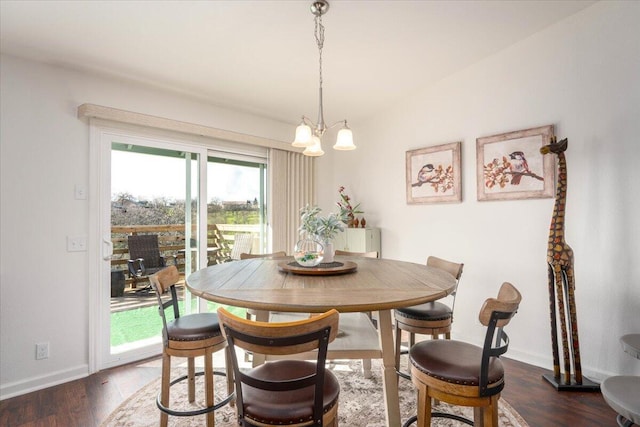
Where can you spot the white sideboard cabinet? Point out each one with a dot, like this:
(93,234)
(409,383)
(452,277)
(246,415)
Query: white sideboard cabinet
(358,240)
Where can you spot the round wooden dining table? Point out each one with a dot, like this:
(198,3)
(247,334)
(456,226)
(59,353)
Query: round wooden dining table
(374,285)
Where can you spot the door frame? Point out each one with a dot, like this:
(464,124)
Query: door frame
(102,133)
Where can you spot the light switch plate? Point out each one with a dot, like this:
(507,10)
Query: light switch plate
(80,192)
(76,243)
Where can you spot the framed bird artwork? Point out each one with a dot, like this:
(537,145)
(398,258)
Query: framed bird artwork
(510,166)
(433,174)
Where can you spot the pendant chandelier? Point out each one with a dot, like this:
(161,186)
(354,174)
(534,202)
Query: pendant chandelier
(308,134)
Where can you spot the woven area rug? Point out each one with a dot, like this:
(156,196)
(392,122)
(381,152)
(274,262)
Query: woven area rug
(361,403)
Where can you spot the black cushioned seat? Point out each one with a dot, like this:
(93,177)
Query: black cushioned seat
(287,407)
(194,327)
(429,311)
(434,359)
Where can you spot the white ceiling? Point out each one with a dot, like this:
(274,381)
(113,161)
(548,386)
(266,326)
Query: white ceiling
(260,56)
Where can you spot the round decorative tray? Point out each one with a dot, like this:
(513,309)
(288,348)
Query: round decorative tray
(326,269)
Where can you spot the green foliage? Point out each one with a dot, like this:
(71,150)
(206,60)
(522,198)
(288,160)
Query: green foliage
(322,228)
(144,322)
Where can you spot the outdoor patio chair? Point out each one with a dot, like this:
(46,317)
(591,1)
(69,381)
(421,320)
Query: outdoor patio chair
(242,243)
(144,259)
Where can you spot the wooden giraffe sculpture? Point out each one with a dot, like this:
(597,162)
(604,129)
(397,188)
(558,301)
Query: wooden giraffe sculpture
(561,277)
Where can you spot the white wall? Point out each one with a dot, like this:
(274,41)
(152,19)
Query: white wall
(581,75)
(44,154)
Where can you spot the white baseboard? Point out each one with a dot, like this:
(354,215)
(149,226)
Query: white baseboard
(546,362)
(44,381)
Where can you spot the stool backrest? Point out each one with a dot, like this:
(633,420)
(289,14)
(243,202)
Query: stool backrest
(372,254)
(453,268)
(284,338)
(162,281)
(495,314)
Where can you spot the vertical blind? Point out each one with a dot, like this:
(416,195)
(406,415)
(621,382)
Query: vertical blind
(292,187)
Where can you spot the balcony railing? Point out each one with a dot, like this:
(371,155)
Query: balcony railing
(172,242)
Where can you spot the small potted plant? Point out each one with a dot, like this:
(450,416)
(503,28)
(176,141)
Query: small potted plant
(346,209)
(323,229)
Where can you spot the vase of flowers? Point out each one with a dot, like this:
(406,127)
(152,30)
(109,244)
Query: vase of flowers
(347,209)
(322,228)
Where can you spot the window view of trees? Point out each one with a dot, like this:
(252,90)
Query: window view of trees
(129,210)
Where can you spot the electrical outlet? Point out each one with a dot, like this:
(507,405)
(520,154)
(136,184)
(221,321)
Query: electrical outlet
(42,350)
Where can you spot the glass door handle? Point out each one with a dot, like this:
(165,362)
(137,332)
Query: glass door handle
(107,249)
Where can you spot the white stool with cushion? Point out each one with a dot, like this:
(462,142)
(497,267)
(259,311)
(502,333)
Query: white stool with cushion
(622,392)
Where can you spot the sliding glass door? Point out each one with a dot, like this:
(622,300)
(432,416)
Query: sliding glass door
(155,187)
(236,192)
(152,221)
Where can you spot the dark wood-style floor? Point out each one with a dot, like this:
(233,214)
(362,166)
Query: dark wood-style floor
(88,401)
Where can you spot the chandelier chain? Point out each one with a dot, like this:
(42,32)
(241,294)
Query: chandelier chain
(319,34)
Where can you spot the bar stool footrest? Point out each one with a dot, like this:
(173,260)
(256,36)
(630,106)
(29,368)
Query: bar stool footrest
(403,375)
(440,415)
(194,412)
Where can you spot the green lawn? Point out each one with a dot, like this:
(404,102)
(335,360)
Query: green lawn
(141,323)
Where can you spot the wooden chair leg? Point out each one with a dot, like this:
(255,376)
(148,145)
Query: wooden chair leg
(486,416)
(209,386)
(191,379)
(491,419)
(478,416)
(412,342)
(424,406)
(230,377)
(366,368)
(435,337)
(164,392)
(398,345)
(247,316)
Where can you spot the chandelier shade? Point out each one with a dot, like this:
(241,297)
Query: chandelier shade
(315,149)
(303,136)
(308,134)
(344,141)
